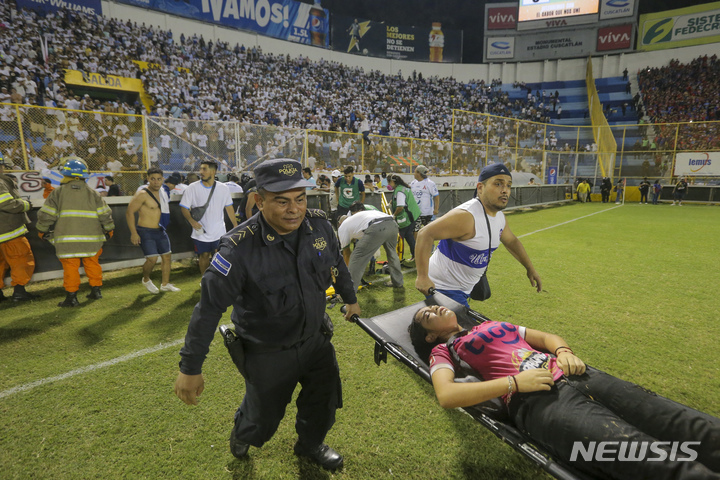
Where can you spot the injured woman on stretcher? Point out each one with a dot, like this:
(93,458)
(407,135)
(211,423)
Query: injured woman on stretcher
(598,423)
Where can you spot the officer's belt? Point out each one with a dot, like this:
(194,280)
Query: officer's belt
(378,220)
(265,348)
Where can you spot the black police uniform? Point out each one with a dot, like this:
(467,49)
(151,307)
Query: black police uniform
(277,288)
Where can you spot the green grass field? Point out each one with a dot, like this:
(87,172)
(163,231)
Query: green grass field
(632,289)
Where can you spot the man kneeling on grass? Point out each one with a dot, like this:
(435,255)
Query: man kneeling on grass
(571,412)
(151,204)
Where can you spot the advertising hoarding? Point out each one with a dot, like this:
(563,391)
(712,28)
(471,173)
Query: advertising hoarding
(617,37)
(90,7)
(433,43)
(284,19)
(679,28)
(616,9)
(697,164)
(501,18)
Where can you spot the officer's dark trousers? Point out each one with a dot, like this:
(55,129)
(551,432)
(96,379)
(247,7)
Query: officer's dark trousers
(596,407)
(270,380)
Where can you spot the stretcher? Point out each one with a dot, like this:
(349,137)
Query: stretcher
(391,336)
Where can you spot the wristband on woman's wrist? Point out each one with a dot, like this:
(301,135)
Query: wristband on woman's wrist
(564,347)
(510,389)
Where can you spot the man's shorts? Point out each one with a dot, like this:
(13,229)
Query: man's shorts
(422,221)
(153,241)
(205,247)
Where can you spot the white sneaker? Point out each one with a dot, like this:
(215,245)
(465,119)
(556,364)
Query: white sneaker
(150,286)
(169,288)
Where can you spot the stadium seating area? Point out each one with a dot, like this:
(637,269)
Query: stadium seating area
(189,79)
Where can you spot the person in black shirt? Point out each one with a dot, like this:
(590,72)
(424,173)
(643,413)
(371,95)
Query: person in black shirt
(113,188)
(274,269)
(644,187)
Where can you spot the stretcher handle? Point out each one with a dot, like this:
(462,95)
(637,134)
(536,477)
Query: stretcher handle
(431,291)
(354,318)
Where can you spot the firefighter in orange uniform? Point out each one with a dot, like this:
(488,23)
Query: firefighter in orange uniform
(80,221)
(15,251)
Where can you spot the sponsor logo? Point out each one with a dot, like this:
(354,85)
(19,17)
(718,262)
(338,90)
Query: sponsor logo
(556,23)
(634,451)
(618,3)
(500,45)
(525,359)
(503,18)
(699,163)
(614,38)
(658,32)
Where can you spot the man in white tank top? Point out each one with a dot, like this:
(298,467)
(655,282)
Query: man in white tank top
(462,255)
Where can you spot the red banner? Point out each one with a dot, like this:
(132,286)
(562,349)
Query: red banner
(502,18)
(614,38)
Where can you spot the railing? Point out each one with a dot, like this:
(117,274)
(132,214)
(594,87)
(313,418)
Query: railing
(123,145)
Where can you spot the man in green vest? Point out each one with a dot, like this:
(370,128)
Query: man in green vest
(348,189)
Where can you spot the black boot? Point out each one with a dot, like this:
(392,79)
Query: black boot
(70,300)
(2,296)
(20,294)
(94,294)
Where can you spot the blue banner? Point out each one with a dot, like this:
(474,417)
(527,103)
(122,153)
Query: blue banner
(284,19)
(552,176)
(90,7)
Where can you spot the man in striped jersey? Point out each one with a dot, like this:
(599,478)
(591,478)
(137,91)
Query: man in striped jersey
(468,234)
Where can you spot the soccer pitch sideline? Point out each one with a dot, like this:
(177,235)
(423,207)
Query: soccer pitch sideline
(88,392)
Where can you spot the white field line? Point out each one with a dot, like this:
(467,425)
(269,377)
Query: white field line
(90,368)
(569,221)
(162,346)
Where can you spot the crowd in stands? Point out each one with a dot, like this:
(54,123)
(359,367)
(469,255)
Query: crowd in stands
(680,92)
(189,77)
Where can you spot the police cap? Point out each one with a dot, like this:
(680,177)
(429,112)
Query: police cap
(280,174)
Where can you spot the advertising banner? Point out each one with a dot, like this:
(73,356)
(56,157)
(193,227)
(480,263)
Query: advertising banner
(499,48)
(567,44)
(550,23)
(284,19)
(551,9)
(375,39)
(616,8)
(91,7)
(501,18)
(614,38)
(679,28)
(697,164)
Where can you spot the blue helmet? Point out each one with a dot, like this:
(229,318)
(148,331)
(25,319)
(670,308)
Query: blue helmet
(74,167)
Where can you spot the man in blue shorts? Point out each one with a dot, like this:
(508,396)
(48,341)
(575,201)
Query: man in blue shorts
(151,205)
(214,197)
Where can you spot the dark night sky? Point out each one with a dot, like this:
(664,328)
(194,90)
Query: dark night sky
(466,15)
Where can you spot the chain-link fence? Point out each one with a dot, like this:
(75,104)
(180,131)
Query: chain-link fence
(126,145)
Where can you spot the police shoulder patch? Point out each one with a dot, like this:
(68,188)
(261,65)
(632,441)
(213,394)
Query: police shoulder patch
(220,264)
(316,213)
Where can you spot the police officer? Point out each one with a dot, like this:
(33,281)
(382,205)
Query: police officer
(274,270)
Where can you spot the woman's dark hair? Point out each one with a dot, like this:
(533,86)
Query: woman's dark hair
(417,338)
(397,180)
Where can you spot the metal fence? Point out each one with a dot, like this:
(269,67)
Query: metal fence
(123,145)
